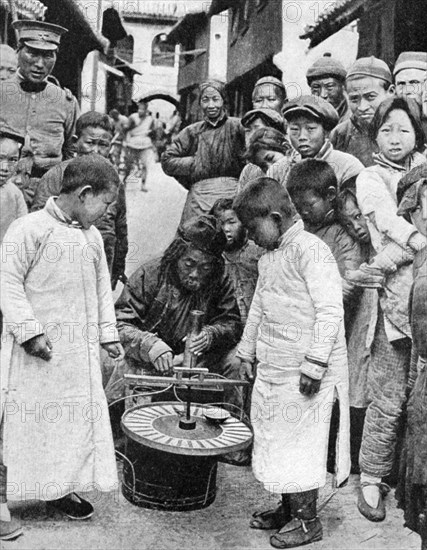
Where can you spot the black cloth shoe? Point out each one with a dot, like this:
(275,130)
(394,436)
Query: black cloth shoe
(74,509)
(298,532)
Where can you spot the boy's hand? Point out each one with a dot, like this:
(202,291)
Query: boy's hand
(164,363)
(200,343)
(114,350)
(308,386)
(39,346)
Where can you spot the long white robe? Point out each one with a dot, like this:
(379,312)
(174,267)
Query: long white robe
(296,311)
(57,433)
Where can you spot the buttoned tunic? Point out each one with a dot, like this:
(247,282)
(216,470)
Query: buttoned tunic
(46,118)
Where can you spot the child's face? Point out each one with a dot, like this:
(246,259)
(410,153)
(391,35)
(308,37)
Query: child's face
(419,215)
(255,125)
(92,207)
(365,95)
(265,231)
(307,135)
(265,158)
(312,207)
(354,222)
(9,156)
(232,228)
(94,139)
(396,137)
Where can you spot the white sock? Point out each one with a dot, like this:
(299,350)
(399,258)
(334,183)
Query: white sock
(4,512)
(371,493)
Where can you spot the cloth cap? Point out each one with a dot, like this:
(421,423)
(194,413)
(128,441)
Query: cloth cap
(314,106)
(370,66)
(38,34)
(8,132)
(325,67)
(203,233)
(269,116)
(270,80)
(408,189)
(218,85)
(411,60)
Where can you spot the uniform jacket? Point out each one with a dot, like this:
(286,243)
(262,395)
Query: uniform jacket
(112,225)
(203,151)
(47,119)
(153,314)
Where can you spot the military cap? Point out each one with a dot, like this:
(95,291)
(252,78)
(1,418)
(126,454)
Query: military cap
(38,34)
(270,80)
(370,66)
(325,67)
(204,234)
(269,116)
(411,60)
(313,106)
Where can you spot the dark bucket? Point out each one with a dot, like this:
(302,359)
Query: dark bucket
(166,481)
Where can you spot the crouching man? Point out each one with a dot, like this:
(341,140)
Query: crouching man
(153,311)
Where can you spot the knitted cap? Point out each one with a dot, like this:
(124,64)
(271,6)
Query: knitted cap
(270,80)
(314,106)
(203,233)
(370,66)
(326,67)
(411,60)
(269,116)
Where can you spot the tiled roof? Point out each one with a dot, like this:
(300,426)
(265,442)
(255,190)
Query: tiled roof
(333,19)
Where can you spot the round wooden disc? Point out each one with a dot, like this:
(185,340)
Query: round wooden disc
(156,425)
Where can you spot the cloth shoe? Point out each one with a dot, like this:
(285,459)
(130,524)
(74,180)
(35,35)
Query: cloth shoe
(373,514)
(298,532)
(272,519)
(73,506)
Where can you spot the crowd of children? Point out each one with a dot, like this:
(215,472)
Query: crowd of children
(323,254)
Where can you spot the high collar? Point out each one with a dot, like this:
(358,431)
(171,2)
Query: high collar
(325,150)
(410,162)
(28,86)
(218,122)
(291,233)
(53,209)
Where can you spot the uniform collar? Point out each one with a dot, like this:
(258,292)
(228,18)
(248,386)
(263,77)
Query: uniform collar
(31,87)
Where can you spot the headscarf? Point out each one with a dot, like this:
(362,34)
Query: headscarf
(216,84)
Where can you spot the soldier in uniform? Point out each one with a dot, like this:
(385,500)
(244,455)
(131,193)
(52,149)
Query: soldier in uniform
(36,108)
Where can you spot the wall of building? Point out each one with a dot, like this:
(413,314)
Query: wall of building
(218,46)
(154,77)
(254,36)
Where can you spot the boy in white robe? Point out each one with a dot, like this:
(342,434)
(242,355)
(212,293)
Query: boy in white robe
(295,331)
(58,310)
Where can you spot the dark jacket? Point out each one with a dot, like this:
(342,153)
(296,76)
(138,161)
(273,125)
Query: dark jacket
(202,151)
(112,225)
(350,138)
(418,304)
(153,314)
(345,251)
